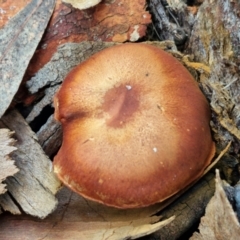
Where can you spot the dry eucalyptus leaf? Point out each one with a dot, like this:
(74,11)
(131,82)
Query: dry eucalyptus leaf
(220,221)
(7,167)
(82,4)
(35,185)
(19,39)
(78,218)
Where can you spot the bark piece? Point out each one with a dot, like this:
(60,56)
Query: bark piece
(220,221)
(214,41)
(50,136)
(35,185)
(8,204)
(7,167)
(117,21)
(19,39)
(78,218)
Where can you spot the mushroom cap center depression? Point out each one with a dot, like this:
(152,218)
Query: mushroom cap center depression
(120,103)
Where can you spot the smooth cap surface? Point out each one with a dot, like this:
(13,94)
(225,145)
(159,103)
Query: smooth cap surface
(135,127)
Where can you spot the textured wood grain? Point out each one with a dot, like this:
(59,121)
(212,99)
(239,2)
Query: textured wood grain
(7,167)
(34,186)
(215,42)
(19,39)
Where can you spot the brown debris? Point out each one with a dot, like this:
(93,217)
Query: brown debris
(220,221)
(214,41)
(34,186)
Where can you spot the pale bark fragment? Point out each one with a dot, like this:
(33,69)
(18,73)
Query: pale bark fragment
(8,204)
(220,221)
(19,39)
(35,185)
(7,167)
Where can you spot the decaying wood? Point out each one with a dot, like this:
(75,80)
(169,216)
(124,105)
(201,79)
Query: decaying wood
(50,136)
(172,20)
(19,39)
(78,218)
(215,42)
(35,185)
(220,221)
(7,167)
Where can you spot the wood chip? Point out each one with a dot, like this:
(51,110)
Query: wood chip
(7,167)
(220,221)
(35,185)
(19,39)
(111,21)
(7,204)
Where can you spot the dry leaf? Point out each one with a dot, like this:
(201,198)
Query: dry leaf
(19,39)
(220,221)
(78,218)
(7,167)
(35,185)
(82,4)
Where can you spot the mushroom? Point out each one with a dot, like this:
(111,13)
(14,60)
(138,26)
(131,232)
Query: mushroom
(82,4)
(135,127)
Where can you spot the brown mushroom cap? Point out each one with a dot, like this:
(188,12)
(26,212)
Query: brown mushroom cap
(135,127)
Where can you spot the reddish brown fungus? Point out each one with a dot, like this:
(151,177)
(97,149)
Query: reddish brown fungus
(135,127)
